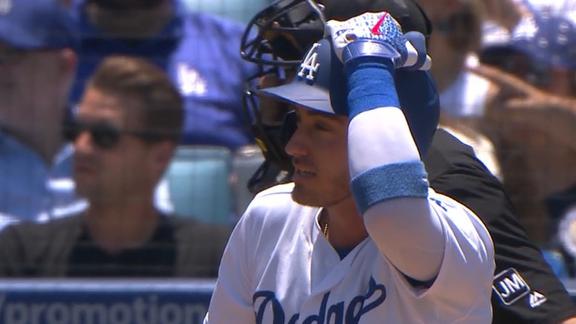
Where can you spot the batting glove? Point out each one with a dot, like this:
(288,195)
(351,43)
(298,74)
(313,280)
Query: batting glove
(378,35)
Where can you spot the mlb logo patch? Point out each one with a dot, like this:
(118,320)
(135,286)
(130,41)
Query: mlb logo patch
(510,286)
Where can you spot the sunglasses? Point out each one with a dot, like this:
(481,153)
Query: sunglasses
(104,135)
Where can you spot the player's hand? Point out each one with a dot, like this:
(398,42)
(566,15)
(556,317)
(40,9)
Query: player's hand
(378,34)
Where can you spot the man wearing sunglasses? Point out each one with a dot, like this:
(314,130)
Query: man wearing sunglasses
(37,66)
(124,133)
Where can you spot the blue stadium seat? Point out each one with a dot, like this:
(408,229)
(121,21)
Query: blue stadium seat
(199,183)
(245,162)
(239,10)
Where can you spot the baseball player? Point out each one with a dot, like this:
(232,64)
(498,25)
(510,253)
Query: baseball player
(524,288)
(359,237)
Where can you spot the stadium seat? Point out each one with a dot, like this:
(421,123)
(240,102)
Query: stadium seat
(199,183)
(239,10)
(245,162)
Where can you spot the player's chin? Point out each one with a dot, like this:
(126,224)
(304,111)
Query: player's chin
(305,196)
(317,197)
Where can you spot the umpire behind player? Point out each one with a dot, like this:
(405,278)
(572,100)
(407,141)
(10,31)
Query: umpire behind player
(359,237)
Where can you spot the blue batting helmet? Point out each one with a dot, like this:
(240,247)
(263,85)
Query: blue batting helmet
(322,87)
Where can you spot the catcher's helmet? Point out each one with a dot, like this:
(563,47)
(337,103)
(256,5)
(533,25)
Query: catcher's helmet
(322,87)
(282,32)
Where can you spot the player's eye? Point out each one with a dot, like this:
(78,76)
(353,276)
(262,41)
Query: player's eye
(321,126)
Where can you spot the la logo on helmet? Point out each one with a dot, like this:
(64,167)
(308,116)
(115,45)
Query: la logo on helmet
(309,66)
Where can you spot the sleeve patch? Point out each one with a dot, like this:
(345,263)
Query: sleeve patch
(510,286)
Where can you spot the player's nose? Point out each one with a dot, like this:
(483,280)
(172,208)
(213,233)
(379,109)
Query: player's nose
(296,146)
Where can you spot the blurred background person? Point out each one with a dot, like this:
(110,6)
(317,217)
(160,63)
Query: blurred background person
(199,52)
(37,66)
(454,44)
(124,134)
(532,120)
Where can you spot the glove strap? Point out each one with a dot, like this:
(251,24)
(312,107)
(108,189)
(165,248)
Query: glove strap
(369,48)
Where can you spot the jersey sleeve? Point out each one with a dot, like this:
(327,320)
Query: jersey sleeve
(465,274)
(390,190)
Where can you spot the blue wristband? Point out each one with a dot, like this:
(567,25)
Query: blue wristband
(399,180)
(370,84)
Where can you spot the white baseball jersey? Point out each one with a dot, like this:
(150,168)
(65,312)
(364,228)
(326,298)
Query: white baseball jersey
(279,268)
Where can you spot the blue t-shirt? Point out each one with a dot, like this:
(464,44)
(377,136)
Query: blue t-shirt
(31,189)
(201,54)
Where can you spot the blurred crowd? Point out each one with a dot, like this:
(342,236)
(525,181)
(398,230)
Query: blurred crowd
(505,69)
(507,78)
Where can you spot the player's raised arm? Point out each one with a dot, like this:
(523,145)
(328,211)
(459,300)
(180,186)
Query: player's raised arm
(387,176)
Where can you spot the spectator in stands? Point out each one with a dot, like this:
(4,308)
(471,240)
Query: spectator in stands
(37,66)
(541,47)
(463,95)
(533,118)
(197,50)
(501,18)
(124,134)
(494,89)
(456,38)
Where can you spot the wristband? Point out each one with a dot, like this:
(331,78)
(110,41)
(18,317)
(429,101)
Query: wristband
(370,84)
(392,181)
